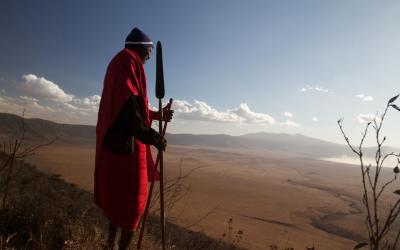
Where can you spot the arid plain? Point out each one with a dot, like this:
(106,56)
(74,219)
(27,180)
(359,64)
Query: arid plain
(273,197)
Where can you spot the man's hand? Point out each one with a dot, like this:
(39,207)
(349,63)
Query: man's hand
(159,142)
(167,113)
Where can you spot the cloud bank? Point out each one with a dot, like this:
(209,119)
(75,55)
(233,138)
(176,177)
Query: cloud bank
(201,111)
(39,87)
(45,99)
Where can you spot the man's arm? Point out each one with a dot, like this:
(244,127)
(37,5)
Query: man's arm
(154,115)
(167,114)
(130,123)
(135,124)
(137,127)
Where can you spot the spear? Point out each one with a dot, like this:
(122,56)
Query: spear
(160,92)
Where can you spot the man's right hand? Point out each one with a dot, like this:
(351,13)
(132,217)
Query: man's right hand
(159,142)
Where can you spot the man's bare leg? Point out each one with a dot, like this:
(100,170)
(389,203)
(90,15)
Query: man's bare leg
(112,232)
(126,238)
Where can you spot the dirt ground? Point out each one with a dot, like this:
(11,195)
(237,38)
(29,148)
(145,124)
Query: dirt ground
(274,198)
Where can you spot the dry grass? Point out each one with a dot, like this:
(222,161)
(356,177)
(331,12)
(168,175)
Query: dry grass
(44,212)
(272,197)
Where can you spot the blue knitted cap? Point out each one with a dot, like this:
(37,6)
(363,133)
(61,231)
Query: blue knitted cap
(138,37)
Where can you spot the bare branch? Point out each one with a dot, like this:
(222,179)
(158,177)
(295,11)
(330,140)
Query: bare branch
(29,151)
(340,123)
(377,231)
(385,185)
(391,217)
(202,218)
(396,240)
(387,156)
(23,130)
(16,153)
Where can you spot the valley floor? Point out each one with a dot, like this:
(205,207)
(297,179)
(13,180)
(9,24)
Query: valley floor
(273,198)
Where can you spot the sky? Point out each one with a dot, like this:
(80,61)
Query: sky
(232,66)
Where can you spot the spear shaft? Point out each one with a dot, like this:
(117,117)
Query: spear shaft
(160,111)
(146,211)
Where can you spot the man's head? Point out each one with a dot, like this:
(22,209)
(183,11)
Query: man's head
(138,41)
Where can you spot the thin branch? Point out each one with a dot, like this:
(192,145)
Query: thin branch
(396,240)
(390,218)
(23,130)
(360,155)
(340,123)
(387,156)
(9,174)
(29,151)
(369,175)
(384,186)
(203,217)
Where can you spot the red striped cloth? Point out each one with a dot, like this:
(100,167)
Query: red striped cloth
(120,186)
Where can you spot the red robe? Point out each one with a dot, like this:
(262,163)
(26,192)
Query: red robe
(120,186)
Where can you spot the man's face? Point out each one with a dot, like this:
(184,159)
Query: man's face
(147,53)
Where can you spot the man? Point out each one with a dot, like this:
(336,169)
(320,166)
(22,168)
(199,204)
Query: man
(124,163)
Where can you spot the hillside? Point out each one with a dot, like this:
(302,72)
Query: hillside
(294,144)
(44,130)
(44,212)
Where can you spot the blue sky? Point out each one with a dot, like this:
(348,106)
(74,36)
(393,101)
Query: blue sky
(234,67)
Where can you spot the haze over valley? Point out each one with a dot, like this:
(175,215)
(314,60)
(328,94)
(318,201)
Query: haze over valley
(274,186)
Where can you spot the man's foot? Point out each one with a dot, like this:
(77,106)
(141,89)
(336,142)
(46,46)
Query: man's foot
(126,239)
(112,232)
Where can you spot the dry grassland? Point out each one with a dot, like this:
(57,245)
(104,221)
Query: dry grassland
(272,197)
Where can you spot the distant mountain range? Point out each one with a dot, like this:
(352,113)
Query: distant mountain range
(44,130)
(39,130)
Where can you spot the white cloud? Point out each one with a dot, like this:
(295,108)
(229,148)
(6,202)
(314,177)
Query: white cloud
(31,106)
(315,119)
(88,103)
(41,88)
(70,106)
(290,124)
(315,88)
(44,99)
(365,118)
(288,114)
(365,97)
(248,116)
(203,112)
(28,99)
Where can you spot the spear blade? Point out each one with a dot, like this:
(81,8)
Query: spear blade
(160,91)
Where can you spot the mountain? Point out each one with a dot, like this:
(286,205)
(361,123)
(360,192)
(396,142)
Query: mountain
(296,144)
(42,130)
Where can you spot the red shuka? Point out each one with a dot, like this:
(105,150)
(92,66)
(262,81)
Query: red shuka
(120,185)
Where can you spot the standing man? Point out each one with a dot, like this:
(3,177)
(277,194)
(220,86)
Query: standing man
(124,163)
